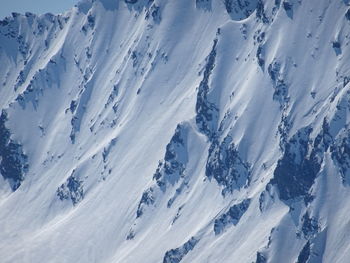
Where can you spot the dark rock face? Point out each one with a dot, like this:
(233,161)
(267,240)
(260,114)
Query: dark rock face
(338,138)
(288,7)
(207,112)
(137,5)
(113,95)
(72,189)
(337,47)
(273,70)
(260,258)
(146,200)
(90,24)
(224,162)
(231,217)
(347,14)
(91,21)
(281,88)
(154,12)
(203,4)
(309,226)
(73,106)
(341,155)
(107,149)
(304,254)
(177,254)
(4,22)
(324,139)
(296,171)
(79,111)
(130,235)
(169,171)
(260,55)
(13,161)
(260,12)
(240,9)
(226,166)
(281,92)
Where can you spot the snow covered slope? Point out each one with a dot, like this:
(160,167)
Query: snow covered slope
(179,130)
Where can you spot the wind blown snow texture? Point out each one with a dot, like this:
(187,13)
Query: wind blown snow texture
(168,131)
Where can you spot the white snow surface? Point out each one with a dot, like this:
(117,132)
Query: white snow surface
(134,79)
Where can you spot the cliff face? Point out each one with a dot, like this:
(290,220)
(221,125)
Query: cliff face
(188,130)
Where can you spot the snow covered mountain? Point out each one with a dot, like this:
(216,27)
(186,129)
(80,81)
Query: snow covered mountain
(176,130)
